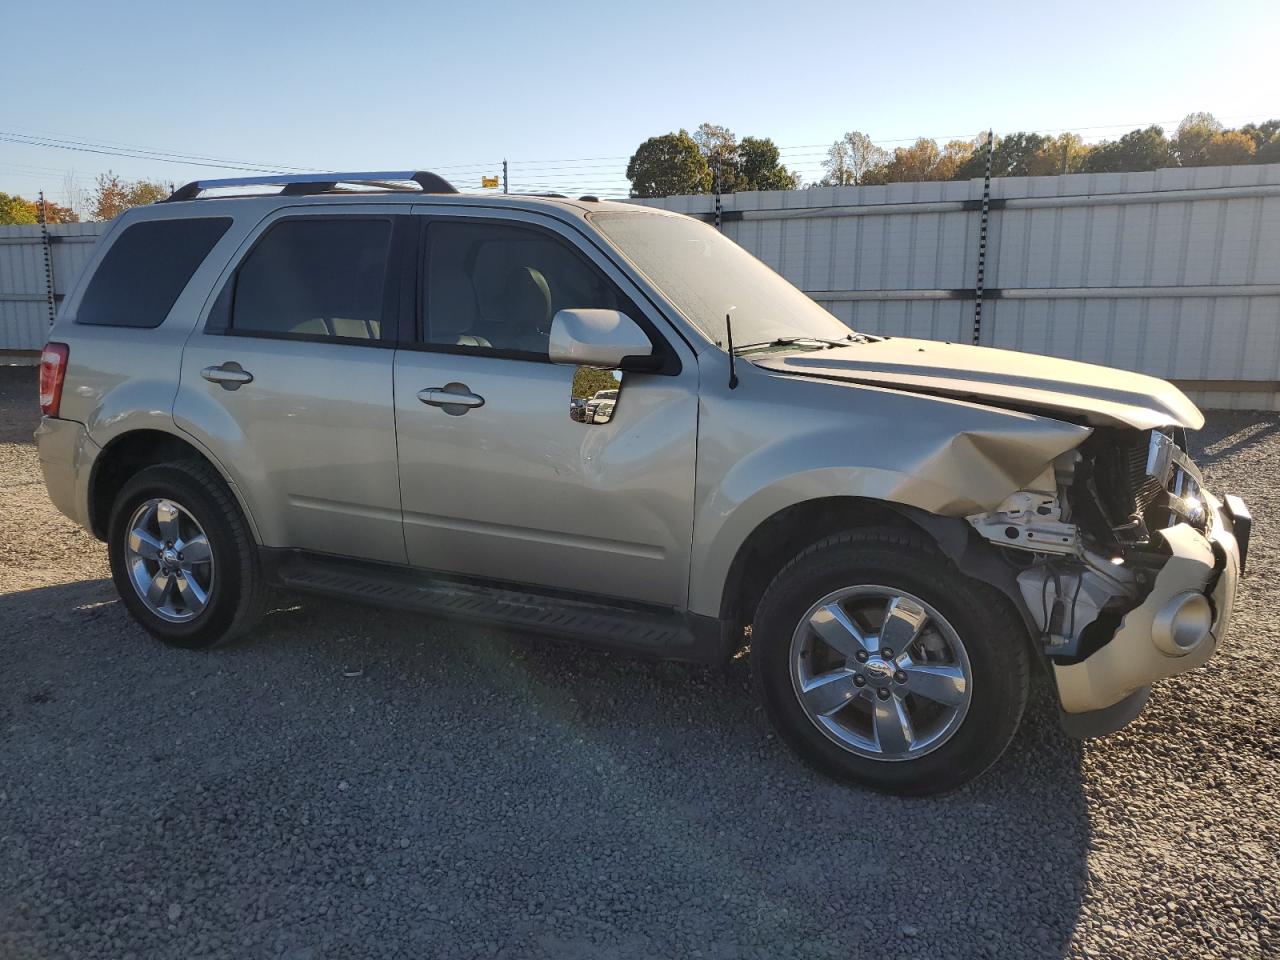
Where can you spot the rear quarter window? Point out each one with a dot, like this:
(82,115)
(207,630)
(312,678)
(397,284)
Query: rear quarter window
(145,270)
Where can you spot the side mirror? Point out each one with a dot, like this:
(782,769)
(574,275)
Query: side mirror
(596,338)
(598,342)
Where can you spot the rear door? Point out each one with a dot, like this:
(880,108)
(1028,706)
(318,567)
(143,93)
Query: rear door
(516,486)
(288,379)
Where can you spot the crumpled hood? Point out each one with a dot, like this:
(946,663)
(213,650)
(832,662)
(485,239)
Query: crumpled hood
(1101,396)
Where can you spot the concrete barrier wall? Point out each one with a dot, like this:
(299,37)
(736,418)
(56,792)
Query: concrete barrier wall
(24,290)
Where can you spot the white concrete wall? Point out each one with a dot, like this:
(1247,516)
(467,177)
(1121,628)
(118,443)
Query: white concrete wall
(24,305)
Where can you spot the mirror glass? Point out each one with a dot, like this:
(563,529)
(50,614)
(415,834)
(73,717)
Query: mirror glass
(593,397)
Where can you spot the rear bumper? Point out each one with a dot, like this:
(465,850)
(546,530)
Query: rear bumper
(1177,628)
(66,460)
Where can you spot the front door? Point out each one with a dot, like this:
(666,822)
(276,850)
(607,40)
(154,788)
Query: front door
(511,484)
(288,382)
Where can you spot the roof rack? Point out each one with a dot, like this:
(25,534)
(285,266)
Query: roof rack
(296,185)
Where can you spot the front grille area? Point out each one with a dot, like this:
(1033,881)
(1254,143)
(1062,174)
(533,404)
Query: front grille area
(1124,486)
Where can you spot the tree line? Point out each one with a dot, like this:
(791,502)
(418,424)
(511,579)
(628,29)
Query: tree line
(109,196)
(713,158)
(680,163)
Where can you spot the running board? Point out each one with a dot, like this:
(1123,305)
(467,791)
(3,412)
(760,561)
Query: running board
(649,631)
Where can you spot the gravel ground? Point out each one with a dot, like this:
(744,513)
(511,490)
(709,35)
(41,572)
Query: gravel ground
(363,784)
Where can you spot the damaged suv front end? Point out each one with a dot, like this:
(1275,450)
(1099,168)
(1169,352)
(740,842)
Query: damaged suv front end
(1129,568)
(1123,565)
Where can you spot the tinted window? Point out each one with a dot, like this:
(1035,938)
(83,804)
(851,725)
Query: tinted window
(312,277)
(145,269)
(498,286)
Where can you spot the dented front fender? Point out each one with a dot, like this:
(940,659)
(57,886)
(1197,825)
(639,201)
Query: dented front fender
(778,441)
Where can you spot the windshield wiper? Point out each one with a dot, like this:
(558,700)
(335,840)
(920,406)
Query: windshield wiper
(819,343)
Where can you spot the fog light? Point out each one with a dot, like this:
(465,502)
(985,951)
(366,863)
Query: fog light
(1182,624)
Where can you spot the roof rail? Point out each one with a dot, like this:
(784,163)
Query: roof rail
(311,183)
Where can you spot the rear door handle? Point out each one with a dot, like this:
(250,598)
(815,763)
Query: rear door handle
(229,375)
(454,398)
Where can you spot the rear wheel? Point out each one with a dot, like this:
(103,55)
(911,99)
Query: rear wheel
(883,665)
(182,557)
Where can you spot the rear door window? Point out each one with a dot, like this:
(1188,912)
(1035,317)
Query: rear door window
(145,269)
(314,278)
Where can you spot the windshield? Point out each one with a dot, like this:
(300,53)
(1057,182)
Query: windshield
(706,275)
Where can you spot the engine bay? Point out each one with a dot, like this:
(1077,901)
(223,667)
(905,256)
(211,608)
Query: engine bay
(1087,535)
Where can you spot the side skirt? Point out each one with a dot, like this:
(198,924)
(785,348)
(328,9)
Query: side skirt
(637,629)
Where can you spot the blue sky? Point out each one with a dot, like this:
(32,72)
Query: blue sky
(567,90)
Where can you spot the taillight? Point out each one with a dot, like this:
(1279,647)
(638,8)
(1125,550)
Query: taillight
(53,370)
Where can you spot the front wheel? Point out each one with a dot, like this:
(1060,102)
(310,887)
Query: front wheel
(882,665)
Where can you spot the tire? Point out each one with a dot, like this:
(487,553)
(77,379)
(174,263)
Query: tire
(863,740)
(192,495)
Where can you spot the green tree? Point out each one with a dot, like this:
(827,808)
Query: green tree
(920,161)
(14,210)
(1261,133)
(1191,142)
(1065,153)
(587,381)
(668,165)
(850,158)
(19,210)
(1024,155)
(1269,152)
(760,167)
(1019,155)
(973,163)
(112,195)
(1137,150)
(958,155)
(719,146)
(1228,147)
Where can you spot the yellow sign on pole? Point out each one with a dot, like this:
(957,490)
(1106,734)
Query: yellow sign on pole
(487,182)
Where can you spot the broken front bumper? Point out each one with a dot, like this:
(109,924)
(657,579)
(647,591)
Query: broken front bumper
(1175,629)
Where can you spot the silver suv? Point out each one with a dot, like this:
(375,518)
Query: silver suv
(607,423)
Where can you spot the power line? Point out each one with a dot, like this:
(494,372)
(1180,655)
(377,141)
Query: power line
(96,142)
(186,161)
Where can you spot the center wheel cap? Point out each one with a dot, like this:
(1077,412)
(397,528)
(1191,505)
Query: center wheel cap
(878,671)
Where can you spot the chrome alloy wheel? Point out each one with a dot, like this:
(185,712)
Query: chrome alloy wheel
(880,672)
(169,559)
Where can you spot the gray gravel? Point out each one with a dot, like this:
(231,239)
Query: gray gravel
(353,783)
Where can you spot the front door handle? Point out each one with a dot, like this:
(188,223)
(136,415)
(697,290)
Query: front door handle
(454,399)
(229,375)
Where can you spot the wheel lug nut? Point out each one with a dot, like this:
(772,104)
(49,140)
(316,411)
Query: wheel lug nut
(859,681)
(882,693)
(900,677)
(861,656)
(886,653)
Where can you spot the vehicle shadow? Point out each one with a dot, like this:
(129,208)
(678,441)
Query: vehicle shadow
(580,782)
(1231,433)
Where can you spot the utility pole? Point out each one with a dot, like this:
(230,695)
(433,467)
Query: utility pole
(982,243)
(43,219)
(504,176)
(716,159)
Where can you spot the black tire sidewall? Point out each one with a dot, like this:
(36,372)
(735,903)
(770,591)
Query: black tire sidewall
(174,483)
(994,641)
